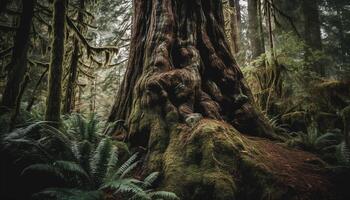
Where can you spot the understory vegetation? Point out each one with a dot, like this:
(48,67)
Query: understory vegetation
(78,161)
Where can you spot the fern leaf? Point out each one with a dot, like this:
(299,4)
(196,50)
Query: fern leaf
(163,195)
(70,194)
(149,180)
(71,167)
(47,168)
(112,163)
(126,165)
(100,160)
(124,186)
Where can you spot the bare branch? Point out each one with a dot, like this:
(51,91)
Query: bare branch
(86,43)
(5,52)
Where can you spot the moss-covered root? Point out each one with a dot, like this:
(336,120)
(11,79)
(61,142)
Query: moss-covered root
(213,161)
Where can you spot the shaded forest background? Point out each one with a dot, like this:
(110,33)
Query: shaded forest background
(62,63)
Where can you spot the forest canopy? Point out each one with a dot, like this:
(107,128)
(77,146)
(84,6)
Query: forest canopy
(174,99)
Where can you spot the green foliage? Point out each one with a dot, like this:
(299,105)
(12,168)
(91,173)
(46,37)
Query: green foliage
(69,194)
(342,154)
(86,161)
(314,140)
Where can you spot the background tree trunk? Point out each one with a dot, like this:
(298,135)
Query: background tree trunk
(69,101)
(180,71)
(18,65)
(312,32)
(53,107)
(235,22)
(254,28)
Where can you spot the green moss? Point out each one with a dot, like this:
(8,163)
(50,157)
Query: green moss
(214,161)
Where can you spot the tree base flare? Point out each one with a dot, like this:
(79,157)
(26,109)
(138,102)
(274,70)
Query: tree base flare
(214,161)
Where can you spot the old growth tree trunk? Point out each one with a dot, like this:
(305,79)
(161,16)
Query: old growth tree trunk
(184,99)
(181,64)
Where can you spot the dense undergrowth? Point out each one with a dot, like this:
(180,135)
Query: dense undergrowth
(309,110)
(77,161)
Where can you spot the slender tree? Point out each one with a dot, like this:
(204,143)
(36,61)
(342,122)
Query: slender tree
(312,32)
(18,64)
(255,28)
(235,22)
(69,101)
(53,106)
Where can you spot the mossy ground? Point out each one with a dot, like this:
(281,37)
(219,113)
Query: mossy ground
(214,161)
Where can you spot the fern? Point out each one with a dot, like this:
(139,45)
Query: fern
(112,163)
(87,165)
(100,159)
(124,186)
(148,181)
(72,168)
(163,195)
(343,154)
(70,194)
(62,169)
(47,168)
(124,167)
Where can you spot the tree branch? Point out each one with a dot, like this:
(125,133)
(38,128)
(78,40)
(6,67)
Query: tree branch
(86,43)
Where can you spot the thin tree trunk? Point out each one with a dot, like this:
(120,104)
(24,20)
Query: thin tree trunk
(16,111)
(69,101)
(312,33)
(343,50)
(34,95)
(18,64)
(254,30)
(235,25)
(53,107)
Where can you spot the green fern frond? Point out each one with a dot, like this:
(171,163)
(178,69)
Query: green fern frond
(343,154)
(28,142)
(47,168)
(86,150)
(124,186)
(70,194)
(24,132)
(149,180)
(125,166)
(163,195)
(76,151)
(129,169)
(92,128)
(71,167)
(112,163)
(100,159)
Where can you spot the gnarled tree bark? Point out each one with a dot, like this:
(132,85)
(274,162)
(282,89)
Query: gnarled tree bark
(181,70)
(180,62)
